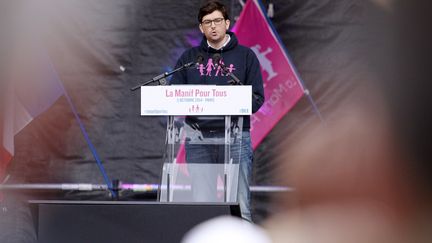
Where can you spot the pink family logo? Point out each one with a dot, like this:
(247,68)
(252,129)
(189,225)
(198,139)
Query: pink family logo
(196,109)
(207,69)
(266,63)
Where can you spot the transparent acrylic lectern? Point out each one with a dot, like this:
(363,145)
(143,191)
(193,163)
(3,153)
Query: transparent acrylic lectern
(203,139)
(202,164)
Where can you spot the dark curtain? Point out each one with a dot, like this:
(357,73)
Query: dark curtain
(102,48)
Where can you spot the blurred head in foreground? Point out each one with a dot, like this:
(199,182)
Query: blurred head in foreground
(227,229)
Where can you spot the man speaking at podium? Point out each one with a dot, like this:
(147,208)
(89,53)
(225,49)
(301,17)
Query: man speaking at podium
(224,62)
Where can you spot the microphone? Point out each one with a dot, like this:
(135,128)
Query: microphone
(161,77)
(199,61)
(217,62)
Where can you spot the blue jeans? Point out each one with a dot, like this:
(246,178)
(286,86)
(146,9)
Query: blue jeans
(241,152)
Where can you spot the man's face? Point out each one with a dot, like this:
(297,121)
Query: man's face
(214,26)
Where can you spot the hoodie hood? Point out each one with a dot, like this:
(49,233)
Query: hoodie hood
(231,44)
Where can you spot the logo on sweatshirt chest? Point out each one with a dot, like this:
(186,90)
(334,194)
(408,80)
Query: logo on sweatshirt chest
(212,68)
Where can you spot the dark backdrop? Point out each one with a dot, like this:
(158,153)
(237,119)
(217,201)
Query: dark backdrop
(89,41)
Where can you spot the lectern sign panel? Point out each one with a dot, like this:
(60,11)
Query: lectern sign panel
(199,100)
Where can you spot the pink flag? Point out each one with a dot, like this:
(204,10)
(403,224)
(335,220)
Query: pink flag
(32,88)
(282,85)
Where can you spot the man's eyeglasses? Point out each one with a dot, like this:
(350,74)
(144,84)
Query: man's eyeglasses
(208,22)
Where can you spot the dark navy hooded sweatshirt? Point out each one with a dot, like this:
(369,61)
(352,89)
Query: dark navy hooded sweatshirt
(238,59)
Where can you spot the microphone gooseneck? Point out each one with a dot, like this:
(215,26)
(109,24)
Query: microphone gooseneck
(161,77)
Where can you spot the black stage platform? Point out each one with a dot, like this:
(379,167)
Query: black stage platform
(120,221)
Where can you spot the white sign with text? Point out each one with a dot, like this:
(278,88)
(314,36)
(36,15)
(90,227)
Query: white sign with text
(199,100)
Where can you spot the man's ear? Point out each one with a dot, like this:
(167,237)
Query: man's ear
(201,28)
(227,24)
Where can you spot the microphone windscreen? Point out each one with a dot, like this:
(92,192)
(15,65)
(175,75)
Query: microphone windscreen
(216,58)
(200,58)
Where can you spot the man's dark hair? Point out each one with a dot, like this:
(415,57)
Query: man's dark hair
(210,7)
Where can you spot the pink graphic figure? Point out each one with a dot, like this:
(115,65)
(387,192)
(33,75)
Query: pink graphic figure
(201,69)
(209,67)
(219,68)
(230,69)
(266,64)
